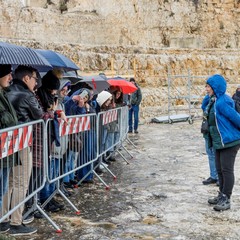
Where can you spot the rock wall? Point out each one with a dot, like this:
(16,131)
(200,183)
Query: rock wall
(151,40)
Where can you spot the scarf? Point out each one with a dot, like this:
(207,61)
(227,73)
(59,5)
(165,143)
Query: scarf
(210,103)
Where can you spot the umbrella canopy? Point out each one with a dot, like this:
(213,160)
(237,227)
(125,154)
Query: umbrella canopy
(57,60)
(97,83)
(16,55)
(126,86)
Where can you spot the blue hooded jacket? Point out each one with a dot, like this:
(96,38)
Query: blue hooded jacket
(227,118)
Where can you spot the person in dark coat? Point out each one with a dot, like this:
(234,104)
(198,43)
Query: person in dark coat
(47,95)
(22,97)
(236,98)
(135,100)
(8,118)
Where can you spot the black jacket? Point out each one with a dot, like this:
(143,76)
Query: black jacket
(25,102)
(8,118)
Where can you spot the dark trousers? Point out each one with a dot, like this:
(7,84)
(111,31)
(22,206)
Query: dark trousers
(225,159)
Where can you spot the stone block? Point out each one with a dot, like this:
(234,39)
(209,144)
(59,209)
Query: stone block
(186,42)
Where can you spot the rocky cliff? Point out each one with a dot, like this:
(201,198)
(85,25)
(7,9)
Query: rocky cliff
(150,39)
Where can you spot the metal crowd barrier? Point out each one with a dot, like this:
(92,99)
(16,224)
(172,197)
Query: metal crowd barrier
(22,176)
(48,154)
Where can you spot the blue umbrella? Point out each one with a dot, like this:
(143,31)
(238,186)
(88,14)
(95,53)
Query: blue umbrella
(16,55)
(58,60)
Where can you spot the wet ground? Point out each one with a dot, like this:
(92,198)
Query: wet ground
(159,195)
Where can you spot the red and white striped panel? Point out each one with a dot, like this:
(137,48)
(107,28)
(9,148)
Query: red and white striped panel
(15,140)
(110,116)
(75,125)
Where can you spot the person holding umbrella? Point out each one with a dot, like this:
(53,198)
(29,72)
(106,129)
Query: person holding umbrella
(135,100)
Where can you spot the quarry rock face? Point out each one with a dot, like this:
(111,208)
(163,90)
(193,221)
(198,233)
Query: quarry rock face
(151,40)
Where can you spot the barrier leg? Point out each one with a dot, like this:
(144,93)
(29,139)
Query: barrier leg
(123,157)
(69,202)
(58,190)
(107,186)
(58,230)
(114,176)
(127,138)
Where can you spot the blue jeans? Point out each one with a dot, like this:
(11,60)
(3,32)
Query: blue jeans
(211,160)
(69,166)
(133,112)
(85,156)
(49,188)
(109,141)
(4,177)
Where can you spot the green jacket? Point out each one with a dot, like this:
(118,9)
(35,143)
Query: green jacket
(136,97)
(8,118)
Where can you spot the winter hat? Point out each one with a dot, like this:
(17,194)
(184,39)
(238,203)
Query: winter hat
(103,97)
(5,69)
(50,81)
(132,80)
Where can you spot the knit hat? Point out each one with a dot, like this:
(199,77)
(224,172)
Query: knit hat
(103,97)
(5,69)
(50,81)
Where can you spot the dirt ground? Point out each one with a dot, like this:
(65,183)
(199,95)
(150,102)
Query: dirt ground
(159,195)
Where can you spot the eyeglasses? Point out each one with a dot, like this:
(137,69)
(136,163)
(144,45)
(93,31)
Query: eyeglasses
(36,79)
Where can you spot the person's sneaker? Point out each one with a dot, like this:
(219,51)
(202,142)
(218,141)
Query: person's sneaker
(88,181)
(4,227)
(136,131)
(21,230)
(216,199)
(106,161)
(38,215)
(58,204)
(130,131)
(112,159)
(50,207)
(209,181)
(28,219)
(223,204)
(99,171)
(103,165)
(68,185)
(73,182)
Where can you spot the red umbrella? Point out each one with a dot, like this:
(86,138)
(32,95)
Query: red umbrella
(126,86)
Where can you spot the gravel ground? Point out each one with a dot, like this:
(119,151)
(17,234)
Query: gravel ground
(159,195)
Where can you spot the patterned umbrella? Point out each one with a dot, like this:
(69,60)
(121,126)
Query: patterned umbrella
(58,60)
(16,55)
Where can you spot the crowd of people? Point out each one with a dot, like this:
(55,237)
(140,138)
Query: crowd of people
(26,97)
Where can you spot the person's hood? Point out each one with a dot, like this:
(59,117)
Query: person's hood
(218,84)
(63,83)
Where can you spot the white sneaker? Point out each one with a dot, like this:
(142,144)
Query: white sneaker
(103,165)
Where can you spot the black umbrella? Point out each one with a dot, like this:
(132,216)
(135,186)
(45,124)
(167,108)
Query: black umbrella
(97,82)
(16,55)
